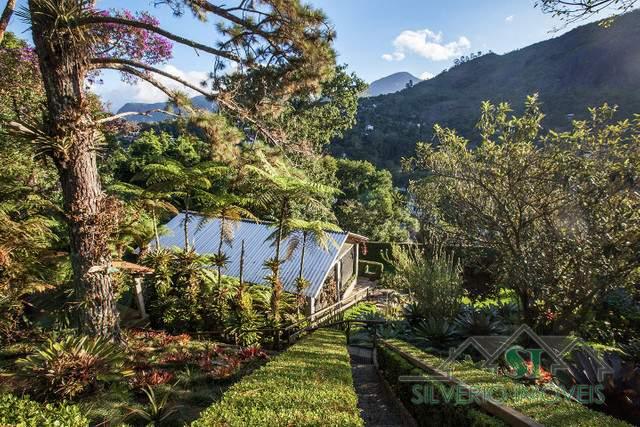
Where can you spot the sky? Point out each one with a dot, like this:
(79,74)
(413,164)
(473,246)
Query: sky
(375,38)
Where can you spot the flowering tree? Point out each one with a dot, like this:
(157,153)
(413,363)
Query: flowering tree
(280,48)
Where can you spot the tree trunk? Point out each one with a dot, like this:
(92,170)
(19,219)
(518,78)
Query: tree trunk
(220,252)
(185,227)
(304,247)
(6,17)
(73,133)
(277,286)
(155,229)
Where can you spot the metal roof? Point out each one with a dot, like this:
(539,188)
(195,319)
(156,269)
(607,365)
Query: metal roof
(204,236)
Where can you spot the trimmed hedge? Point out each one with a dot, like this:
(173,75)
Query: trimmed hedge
(545,408)
(393,366)
(308,385)
(23,412)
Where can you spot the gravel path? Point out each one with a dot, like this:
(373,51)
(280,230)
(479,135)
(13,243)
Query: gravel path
(376,407)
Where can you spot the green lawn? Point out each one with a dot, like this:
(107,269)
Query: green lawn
(308,385)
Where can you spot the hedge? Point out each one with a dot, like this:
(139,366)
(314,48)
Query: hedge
(547,409)
(310,384)
(393,366)
(23,412)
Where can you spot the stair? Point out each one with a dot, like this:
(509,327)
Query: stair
(377,408)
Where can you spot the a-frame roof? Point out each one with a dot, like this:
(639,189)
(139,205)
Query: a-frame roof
(204,237)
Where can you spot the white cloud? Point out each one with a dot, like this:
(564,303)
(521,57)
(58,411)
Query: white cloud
(509,18)
(427,44)
(395,56)
(116,92)
(426,75)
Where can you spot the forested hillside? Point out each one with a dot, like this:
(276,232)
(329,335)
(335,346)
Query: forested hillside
(584,67)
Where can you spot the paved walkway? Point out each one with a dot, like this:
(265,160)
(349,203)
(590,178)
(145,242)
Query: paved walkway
(377,408)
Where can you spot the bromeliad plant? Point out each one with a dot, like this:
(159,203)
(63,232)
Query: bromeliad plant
(72,366)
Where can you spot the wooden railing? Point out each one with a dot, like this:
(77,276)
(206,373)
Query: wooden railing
(326,315)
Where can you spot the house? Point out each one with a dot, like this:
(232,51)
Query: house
(331,271)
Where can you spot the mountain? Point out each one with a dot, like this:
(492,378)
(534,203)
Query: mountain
(200,102)
(585,67)
(391,84)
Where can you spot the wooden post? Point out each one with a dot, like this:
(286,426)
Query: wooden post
(139,297)
(357,260)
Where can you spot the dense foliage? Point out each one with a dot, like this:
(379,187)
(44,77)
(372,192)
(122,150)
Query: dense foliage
(369,204)
(20,411)
(547,409)
(433,282)
(560,210)
(185,295)
(388,127)
(71,366)
(309,384)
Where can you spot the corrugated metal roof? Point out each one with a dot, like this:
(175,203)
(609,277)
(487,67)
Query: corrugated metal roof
(205,236)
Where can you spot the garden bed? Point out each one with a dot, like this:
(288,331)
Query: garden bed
(546,409)
(171,379)
(309,384)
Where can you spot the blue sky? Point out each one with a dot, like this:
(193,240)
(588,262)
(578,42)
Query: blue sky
(375,37)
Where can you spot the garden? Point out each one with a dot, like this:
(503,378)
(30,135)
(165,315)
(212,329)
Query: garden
(516,227)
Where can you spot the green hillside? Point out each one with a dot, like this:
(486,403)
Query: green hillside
(587,66)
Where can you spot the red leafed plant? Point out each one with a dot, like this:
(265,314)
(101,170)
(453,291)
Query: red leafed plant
(252,352)
(177,357)
(159,338)
(229,367)
(205,359)
(543,377)
(151,377)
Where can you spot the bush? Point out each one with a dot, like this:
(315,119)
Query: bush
(72,366)
(309,384)
(547,409)
(393,366)
(16,411)
(479,322)
(180,287)
(434,283)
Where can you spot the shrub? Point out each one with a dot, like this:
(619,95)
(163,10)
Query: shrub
(434,283)
(362,311)
(547,409)
(438,333)
(179,288)
(72,366)
(21,411)
(309,384)
(393,366)
(479,322)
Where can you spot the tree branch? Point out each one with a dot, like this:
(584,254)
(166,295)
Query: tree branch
(128,66)
(226,14)
(95,19)
(144,76)
(136,113)
(104,62)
